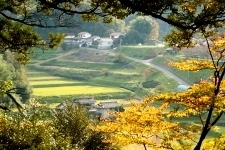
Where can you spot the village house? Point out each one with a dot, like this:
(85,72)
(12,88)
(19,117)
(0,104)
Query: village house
(84,35)
(69,38)
(84,39)
(105,43)
(116,35)
(101,110)
(85,101)
(106,108)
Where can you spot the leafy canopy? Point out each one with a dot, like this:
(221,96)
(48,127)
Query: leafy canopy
(202,106)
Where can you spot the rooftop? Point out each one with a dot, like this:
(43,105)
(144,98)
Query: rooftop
(106,39)
(83,33)
(107,105)
(85,101)
(116,33)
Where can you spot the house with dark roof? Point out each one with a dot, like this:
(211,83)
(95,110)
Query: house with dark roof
(85,101)
(105,109)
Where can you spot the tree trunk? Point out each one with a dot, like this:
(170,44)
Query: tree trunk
(145,147)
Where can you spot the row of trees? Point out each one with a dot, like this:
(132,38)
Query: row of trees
(138,29)
(15,73)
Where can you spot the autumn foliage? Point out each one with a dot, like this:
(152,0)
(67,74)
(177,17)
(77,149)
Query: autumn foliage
(182,120)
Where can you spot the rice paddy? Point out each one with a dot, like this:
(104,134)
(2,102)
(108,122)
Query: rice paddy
(47,85)
(75,90)
(51,82)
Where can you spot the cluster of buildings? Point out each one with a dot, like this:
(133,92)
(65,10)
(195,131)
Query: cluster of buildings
(102,110)
(85,39)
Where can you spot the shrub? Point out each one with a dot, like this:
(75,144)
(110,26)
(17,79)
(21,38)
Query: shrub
(150,84)
(119,58)
(105,72)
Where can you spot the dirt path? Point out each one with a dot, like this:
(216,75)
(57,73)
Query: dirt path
(60,56)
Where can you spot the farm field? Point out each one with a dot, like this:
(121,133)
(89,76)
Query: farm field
(55,75)
(75,90)
(45,85)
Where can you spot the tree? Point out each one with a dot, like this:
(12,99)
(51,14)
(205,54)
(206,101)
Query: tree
(144,25)
(134,37)
(204,102)
(141,29)
(119,40)
(73,123)
(22,87)
(38,127)
(147,74)
(102,29)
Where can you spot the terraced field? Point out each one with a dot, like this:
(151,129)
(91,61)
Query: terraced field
(46,85)
(56,76)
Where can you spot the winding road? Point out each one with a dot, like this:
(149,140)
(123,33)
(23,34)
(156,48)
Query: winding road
(149,63)
(165,71)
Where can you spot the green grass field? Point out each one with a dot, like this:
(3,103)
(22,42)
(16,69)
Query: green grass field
(188,76)
(141,52)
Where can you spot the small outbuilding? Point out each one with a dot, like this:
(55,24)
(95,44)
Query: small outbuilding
(116,35)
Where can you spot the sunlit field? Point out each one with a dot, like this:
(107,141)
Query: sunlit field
(52,82)
(75,90)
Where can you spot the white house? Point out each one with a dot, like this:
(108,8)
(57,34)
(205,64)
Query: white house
(105,43)
(95,38)
(69,38)
(84,35)
(115,35)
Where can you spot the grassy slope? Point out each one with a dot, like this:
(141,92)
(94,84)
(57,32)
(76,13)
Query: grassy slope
(140,52)
(119,74)
(188,76)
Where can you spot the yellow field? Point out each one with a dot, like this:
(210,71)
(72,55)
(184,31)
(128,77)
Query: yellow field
(50,82)
(74,90)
